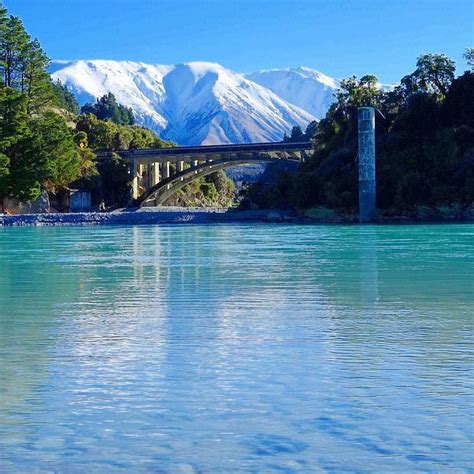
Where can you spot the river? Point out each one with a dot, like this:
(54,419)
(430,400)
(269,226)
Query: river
(241,348)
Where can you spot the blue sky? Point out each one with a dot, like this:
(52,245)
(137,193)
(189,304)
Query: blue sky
(338,37)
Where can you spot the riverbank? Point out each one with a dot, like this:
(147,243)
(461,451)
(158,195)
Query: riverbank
(164,215)
(180,215)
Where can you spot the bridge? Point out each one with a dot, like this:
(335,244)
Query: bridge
(156,174)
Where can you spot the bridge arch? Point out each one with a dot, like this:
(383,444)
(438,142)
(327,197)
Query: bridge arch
(162,191)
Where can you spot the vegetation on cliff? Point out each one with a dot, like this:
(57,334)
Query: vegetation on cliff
(424,142)
(107,108)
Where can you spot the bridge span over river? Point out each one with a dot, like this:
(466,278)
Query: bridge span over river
(156,174)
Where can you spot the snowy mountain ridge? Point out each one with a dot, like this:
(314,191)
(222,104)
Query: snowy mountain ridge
(204,103)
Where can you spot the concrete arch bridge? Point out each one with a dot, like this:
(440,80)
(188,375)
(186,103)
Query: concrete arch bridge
(156,174)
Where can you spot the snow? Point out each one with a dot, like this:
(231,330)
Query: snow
(306,88)
(202,102)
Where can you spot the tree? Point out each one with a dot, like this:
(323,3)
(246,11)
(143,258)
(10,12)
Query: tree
(107,108)
(37,149)
(363,92)
(49,160)
(88,166)
(434,74)
(13,52)
(469,57)
(66,99)
(107,135)
(458,107)
(296,134)
(37,84)
(425,147)
(13,129)
(23,63)
(310,131)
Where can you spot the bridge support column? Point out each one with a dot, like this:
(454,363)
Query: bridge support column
(149,169)
(367,182)
(155,173)
(133,173)
(166,169)
(180,167)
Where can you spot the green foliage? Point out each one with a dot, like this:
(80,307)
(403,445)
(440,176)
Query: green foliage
(361,92)
(66,99)
(37,150)
(433,74)
(310,131)
(47,157)
(107,135)
(214,190)
(110,184)
(297,135)
(425,146)
(469,57)
(23,65)
(107,108)
(458,108)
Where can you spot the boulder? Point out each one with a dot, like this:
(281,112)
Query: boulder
(38,206)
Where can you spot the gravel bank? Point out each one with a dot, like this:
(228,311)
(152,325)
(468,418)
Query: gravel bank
(148,216)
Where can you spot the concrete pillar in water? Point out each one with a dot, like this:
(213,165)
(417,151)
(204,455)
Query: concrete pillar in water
(367,185)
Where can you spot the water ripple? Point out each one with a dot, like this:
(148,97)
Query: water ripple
(237,348)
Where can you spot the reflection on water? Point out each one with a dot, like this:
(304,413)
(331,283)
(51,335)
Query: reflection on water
(260,348)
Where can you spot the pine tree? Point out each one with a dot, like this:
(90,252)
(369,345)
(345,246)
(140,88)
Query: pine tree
(37,149)
(107,108)
(13,130)
(469,57)
(37,84)
(311,129)
(48,160)
(66,99)
(13,53)
(297,134)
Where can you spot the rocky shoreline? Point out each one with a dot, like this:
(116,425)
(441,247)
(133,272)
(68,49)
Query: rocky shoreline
(179,215)
(148,216)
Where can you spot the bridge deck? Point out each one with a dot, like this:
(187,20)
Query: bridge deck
(211,149)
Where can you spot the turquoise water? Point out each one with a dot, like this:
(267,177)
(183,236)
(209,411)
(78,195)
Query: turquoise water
(237,348)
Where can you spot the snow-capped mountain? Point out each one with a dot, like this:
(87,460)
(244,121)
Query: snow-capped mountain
(308,89)
(204,103)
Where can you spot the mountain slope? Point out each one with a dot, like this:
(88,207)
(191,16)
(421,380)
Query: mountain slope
(306,88)
(190,103)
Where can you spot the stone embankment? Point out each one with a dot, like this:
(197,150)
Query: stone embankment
(165,215)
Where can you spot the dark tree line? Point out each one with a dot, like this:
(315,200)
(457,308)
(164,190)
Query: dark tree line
(425,145)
